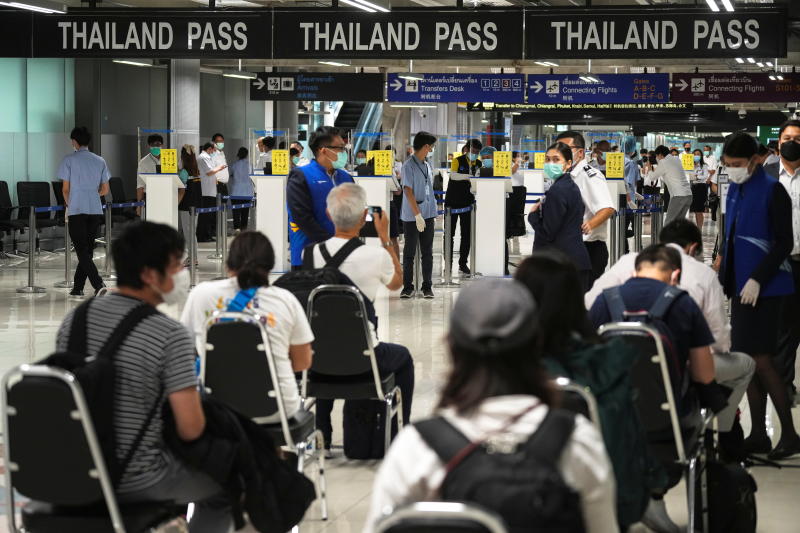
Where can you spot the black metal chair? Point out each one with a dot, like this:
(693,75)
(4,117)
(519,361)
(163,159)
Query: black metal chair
(579,399)
(344,365)
(118,196)
(8,223)
(441,517)
(668,439)
(58,193)
(32,194)
(52,457)
(239,369)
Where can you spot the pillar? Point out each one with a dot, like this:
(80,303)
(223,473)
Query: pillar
(184,103)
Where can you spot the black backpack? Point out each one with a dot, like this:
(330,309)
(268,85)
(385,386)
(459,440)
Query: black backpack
(523,485)
(731,498)
(655,317)
(97,378)
(302,282)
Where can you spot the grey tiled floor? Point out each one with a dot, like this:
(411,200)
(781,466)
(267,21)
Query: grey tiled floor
(28,325)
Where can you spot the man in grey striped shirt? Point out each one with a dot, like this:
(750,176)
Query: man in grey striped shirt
(154,364)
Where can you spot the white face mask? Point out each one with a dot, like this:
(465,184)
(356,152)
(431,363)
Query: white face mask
(737,175)
(180,290)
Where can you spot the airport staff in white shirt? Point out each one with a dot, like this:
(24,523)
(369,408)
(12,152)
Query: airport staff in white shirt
(597,200)
(206,223)
(732,369)
(218,158)
(670,170)
(710,161)
(149,164)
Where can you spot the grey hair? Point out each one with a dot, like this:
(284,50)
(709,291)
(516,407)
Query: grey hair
(346,205)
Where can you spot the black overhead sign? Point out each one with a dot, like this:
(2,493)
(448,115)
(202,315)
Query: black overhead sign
(154,34)
(317,86)
(656,33)
(401,34)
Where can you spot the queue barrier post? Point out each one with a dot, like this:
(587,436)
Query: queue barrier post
(31,287)
(621,229)
(217,255)
(613,257)
(447,251)
(192,246)
(418,269)
(638,222)
(474,274)
(107,275)
(67,283)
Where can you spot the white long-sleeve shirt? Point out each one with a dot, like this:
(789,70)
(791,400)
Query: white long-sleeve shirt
(698,279)
(412,471)
(791,181)
(670,170)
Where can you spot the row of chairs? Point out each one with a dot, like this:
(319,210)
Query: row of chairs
(43,405)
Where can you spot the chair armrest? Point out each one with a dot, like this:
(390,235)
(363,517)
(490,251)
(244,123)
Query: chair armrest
(308,403)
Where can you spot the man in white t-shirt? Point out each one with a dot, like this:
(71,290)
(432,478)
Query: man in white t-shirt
(369,268)
(670,170)
(149,164)
(250,259)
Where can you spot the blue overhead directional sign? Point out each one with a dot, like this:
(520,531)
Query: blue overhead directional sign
(608,89)
(440,88)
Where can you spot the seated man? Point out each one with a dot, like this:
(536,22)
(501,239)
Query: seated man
(250,260)
(154,364)
(369,268)
(731,369)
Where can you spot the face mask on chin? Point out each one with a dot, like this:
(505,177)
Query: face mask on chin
(181,283)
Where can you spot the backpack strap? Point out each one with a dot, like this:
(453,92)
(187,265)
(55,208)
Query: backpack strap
(664,302)
(308,257)
(615,304)
(77,332)
(242,298)
(548,441)
(124,328)
(337,260)
(442,437)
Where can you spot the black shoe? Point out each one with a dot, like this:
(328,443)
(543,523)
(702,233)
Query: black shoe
(427,293)
(785,450)
(760,446)
(407,293)
(101,290)
(76,293)
(464,269)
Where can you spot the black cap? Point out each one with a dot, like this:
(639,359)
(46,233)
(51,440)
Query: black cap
(493,316)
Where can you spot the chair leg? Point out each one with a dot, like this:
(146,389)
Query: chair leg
(387,439)
(319,445)
(400,420)
(300,449)
(690,470)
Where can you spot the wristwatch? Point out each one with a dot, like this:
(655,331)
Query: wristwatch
(386,244)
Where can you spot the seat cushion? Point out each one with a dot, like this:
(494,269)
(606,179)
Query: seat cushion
(319,386)
(301,425)
(39,517)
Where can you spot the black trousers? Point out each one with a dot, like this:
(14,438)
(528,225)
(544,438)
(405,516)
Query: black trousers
(598,256)
(789,337)
(391,358)
(240,216)
(425,239)
(466,233)
(83,232)
(207,222)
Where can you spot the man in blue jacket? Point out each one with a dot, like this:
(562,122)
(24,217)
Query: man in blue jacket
(307,190)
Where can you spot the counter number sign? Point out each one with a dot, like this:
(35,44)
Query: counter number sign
(502,164)
(280,162)
(538,160)
(615,165)
(384,166)
(687,160)
(169,161)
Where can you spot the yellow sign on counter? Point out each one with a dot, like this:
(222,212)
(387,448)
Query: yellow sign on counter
(502,164)
(538,160)
(169,161)
(280,162)
(615,165)
(383,162)
(687,160)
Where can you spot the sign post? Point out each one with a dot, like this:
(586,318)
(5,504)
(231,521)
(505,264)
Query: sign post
(732,87)
(440,88)
(609,88)
(317,86)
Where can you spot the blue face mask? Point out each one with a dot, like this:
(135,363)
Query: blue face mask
(487,163)
(697,159)
(553,171)
(472,157)
(341,161)
(361,160)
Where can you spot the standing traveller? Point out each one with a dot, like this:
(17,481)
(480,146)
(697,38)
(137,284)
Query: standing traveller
(597,201)
(219,160)
(459,195)
(418,214)
(264,161)
(241,185)
(84,177)
(192,197)
(670,170)
(149,164)
(206,225)
(307,191)
(557,218)
(755,274)
(700,183)
(787,170)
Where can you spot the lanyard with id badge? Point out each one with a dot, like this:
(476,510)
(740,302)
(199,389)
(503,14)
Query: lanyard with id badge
(424,168)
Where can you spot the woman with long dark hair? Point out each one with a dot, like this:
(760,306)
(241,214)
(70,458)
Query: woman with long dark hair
(250,260)
(497,391)
(191,195)
(557,219)
(700,184)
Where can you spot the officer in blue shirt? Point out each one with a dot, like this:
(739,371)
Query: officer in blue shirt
(418,214)
(85,179)
(307,191)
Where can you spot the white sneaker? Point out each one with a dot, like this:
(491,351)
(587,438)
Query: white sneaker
(657,519)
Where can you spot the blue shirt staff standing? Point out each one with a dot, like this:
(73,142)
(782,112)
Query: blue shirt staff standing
(307,191)
(84,177)
(418,214)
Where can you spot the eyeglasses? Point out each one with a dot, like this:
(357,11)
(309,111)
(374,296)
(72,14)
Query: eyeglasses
(337,148)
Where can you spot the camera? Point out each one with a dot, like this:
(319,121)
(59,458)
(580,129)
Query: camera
(742,113)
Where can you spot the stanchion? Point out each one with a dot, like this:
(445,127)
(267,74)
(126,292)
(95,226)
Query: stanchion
(220,222)
(67,283)
(474,274)
(192,246)
(613,247)
(447,251)
(107,275)
(31,288)
(638,221)
(622,231)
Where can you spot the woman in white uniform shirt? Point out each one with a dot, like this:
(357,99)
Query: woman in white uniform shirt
(700,182)
(497,388)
